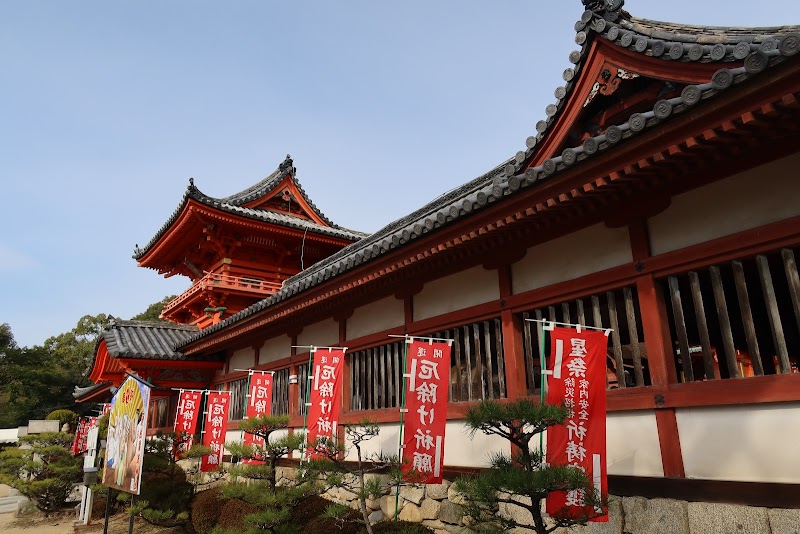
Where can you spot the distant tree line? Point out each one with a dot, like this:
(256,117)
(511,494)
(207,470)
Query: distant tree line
(36,380)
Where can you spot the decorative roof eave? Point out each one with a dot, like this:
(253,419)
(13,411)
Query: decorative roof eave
(95,391)
(183,212)
(236,204)
(690,47)
(501,182)
(269,184)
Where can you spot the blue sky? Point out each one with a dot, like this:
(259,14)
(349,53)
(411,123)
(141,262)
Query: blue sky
(107,109)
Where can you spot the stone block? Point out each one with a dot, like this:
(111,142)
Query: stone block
(373,504)
(430,508)
(411,512)
(713,518)
(450,512)
(437,491)
(783,521)
(375,516)
(414,494)
(517,513)
(388,505)
(434,524)
(454,496)
(655,516)
(38,426)
(614,525)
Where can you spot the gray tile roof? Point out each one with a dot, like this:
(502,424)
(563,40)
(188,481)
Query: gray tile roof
(664,40)
(146,339)
(507,180)
(234,205)
(79,392)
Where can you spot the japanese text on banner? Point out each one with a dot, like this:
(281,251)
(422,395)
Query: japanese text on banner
(187,416)
(326,394)
(578,381)
(215,426)
(427,392)
(259,402)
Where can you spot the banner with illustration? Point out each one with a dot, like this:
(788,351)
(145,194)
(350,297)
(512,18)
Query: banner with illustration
(427,389)
(577,380)
(325,396)
(127,431)
(259,402)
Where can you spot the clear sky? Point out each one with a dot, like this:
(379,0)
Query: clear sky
(108,107)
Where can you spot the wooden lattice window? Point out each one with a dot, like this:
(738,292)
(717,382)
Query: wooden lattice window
(238,402)
(375,376)
(280,392)
(477,368)
(626,359)
(302,380)
(736,319)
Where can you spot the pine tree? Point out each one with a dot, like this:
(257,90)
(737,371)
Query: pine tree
(521,479)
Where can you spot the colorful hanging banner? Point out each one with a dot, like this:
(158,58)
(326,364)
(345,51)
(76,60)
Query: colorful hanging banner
(577,380)
(325,397)
(186,417)
(79,442)
(259,402)
(426,391)
(127,431)
(215,428)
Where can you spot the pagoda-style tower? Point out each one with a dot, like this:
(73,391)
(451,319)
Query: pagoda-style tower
(239,249)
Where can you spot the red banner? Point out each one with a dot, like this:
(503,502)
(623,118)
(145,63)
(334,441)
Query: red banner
(81,433)
(427,388)
(214,428)
(577,380)
(187,416)
(325,395)
(259,402)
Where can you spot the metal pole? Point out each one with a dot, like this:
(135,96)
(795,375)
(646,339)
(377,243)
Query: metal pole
(108,510)
(130,521)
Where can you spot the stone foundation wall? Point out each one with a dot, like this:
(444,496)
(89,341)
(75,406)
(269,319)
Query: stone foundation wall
(438,506)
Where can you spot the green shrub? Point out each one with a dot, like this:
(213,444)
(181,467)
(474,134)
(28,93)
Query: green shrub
(206,508)
(64,416)
(45,473)
(233,514)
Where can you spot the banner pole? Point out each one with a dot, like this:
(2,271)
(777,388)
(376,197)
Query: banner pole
(304,406)
(402,418)
(543,389)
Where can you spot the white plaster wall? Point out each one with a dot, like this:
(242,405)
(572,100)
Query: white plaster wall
(233,436)
(464,451)
(376,317)
(753,198)
(242,359)
(586,251)
(461,290)
(459,449)
(276,348)
(321,334)
(632,444)
(386,442)
(741,443)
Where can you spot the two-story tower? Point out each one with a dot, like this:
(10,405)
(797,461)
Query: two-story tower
(239,249)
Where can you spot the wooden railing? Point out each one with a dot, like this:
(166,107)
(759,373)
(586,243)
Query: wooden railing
(247,284)
(736,319)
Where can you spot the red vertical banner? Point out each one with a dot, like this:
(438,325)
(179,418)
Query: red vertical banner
(325,396)
(187,416)
(259,402)
(78,444)
(577,380)
(214,428)
(426,391)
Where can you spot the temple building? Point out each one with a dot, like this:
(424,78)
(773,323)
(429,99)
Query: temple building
(658,196)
